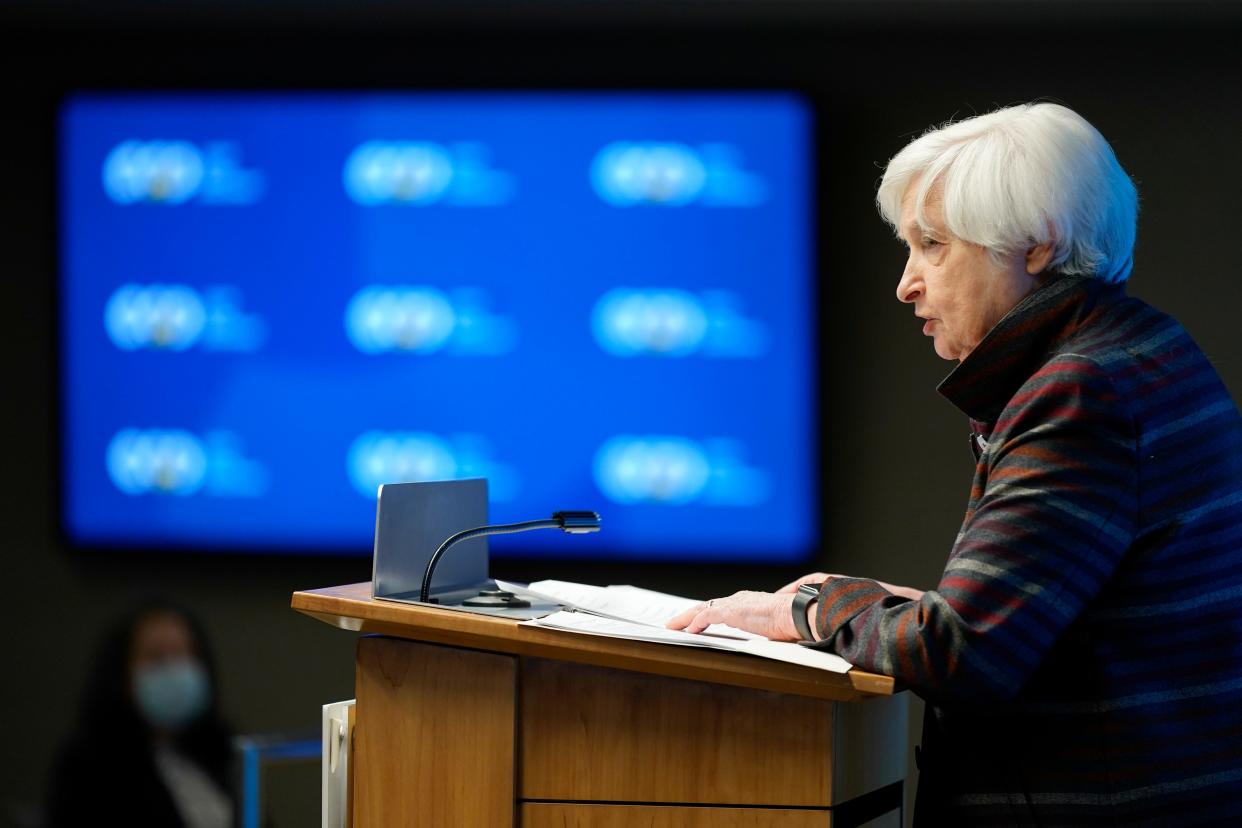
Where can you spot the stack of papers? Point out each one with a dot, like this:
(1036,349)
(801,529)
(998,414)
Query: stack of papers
(640,614)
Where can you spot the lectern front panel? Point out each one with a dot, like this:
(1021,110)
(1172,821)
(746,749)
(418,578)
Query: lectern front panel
(599,734)
(433,740)
(558,815)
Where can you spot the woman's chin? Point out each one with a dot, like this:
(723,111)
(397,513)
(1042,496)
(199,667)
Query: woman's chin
(944,351)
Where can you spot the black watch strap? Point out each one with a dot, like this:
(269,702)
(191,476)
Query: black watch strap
(806,595)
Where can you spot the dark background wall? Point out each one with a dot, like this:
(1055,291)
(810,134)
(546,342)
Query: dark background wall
(1162,81)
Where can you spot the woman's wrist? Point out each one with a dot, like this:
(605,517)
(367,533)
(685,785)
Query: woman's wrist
(803,611)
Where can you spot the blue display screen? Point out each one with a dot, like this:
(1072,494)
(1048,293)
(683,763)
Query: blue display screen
(273,303)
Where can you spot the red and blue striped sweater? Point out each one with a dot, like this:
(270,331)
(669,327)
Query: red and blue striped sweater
(1081,657)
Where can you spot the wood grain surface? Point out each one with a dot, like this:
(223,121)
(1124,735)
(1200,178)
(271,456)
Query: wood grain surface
(433,736)
(598,734)
(562,815)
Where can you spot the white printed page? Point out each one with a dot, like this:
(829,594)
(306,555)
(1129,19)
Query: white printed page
(623,603)
(585,622)
(793,653)
(557,592)
(582,622)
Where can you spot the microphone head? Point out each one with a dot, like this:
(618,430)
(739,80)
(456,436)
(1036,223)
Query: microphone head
(578,523)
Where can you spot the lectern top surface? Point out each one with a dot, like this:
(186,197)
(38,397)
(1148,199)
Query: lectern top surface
(351,607)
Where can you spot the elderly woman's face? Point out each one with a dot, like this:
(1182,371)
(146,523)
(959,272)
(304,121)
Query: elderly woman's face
(955,285)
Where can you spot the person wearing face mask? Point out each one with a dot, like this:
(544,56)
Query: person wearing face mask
(1081,656)
(150,748)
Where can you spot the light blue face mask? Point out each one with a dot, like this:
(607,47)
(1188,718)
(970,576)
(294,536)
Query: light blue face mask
(170,695)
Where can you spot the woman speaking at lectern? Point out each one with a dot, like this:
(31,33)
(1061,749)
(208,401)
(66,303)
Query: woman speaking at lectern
(1081,657)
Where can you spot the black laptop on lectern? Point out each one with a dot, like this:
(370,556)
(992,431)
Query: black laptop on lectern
(411,521)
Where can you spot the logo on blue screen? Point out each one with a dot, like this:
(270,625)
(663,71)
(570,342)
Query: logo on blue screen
(671,322)
(178,317)
(177,462)
(176,172)
(378,457)
(423,173)
(421,319)
(675,471)
(672,174)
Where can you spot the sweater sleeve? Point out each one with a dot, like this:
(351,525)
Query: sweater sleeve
(1055,516)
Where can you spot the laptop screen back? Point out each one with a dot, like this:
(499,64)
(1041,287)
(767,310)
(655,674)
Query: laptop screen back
(412,520)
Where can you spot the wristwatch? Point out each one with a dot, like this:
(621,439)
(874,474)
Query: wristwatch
(807,594)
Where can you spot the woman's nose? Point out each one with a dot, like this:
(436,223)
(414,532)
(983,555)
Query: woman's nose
(909,287)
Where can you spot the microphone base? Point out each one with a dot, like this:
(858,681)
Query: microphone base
(496,598)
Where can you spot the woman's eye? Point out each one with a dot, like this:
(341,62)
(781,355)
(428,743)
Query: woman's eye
(929,242)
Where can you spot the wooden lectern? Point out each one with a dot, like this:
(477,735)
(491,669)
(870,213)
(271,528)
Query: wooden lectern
(465,720)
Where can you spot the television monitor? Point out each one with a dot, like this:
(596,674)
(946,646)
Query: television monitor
(271,303)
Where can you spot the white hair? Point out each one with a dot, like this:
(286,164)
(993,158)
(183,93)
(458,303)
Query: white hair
(1021,176)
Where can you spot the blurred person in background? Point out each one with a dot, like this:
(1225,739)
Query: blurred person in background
(150,748)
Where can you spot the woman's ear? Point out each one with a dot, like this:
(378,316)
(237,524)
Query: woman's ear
(1038,257)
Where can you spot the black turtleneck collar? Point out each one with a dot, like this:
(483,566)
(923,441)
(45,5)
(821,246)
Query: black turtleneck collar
(1021,342)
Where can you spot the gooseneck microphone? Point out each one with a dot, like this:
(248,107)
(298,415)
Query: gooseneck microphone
(575,523)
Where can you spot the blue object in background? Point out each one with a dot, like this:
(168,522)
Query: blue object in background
(272,303)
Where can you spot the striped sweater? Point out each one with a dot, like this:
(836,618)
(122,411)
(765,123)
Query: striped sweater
(1081,657)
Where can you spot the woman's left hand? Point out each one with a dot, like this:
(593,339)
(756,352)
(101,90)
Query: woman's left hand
(768,614)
